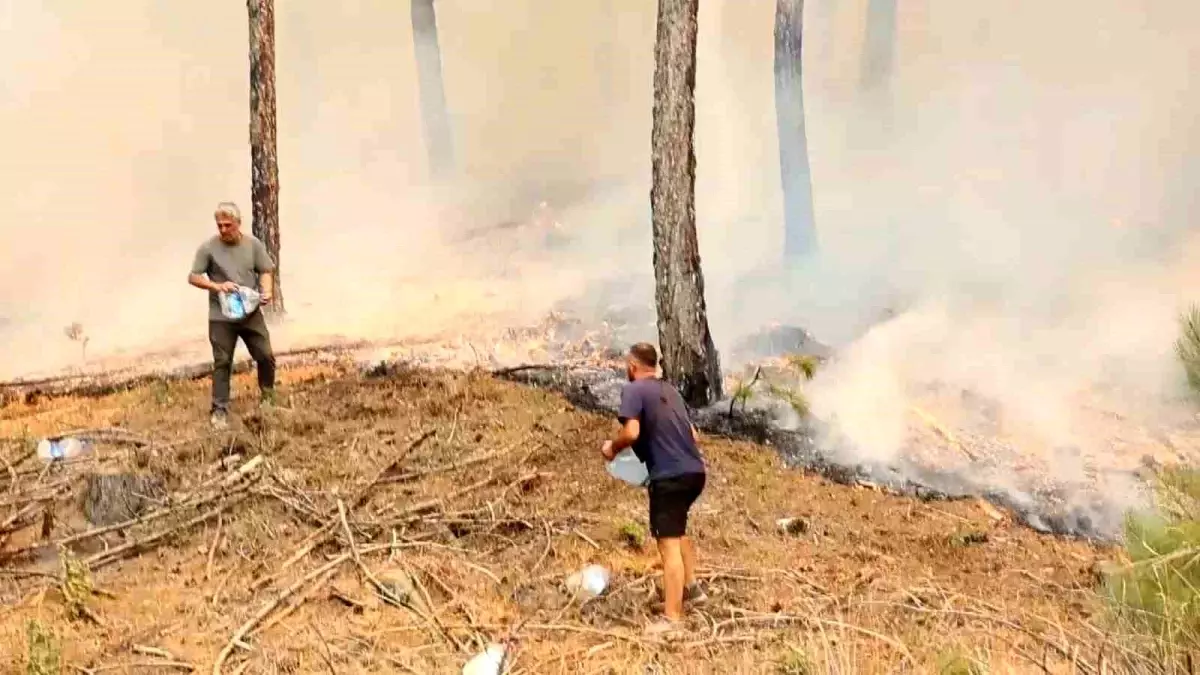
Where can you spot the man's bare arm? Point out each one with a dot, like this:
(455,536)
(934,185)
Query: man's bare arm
(625,437)
(202,281)
(695,435)
(266,281)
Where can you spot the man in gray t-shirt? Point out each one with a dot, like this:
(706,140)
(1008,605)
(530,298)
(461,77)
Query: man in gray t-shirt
(224,262)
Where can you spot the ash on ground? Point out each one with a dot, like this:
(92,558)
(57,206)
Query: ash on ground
(937,462)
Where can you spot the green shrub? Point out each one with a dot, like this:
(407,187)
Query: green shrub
(1156,597)
(43,651)
(958,663)
(1187,346)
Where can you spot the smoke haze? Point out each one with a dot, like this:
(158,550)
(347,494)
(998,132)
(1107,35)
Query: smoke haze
(1024,210)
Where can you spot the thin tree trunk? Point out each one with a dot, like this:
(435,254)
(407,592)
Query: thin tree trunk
(605,55)
(264,163)
(689,357)
(800,232)
(879,44)
(434,116)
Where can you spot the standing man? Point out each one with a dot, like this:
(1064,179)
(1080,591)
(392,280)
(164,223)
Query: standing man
(654,422)
(224,262)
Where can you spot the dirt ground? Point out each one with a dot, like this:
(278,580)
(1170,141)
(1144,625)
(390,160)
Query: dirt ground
(475,499)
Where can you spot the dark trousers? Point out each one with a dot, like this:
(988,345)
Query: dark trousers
(223,335)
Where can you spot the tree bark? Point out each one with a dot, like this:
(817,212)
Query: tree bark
(264,163)
(879,44)
(800,233)
(689,357)
(434,115)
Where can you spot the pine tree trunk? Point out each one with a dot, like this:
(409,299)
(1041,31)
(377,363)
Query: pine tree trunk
(264,163)
(689,357)
(434,116)
(879,44)
(800,233)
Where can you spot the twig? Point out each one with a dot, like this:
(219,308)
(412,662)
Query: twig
(453,466)
(153,651)
(549,545)
(323,535)
(112,555)
(266,609)
(326,656)
(181,665)
(140,520)
(383,589)
(212,550)
(295,604)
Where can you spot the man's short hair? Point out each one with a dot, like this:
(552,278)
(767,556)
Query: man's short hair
(645,354)
(229,209)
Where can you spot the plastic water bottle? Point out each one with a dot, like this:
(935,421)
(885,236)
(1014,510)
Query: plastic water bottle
(627,467)
(590,581)
(249,298)
(50,449)
(236,307)
(487,662)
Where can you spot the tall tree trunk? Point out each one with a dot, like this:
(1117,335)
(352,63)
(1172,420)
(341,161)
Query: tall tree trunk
(800,231)
(689,357)
(264,163)
(434,116)
(605,54)
(879,44)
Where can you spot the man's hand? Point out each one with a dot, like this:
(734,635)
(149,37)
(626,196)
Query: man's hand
(226,287)
(606,451)
(265,297)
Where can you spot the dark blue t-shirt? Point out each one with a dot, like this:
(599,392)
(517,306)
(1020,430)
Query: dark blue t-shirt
(665,442)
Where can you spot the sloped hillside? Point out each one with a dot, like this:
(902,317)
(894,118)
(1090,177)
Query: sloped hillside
(470,501)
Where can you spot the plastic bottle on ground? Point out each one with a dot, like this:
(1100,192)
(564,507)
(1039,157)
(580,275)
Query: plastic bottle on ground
(50,449)
(487,662)
(590,581)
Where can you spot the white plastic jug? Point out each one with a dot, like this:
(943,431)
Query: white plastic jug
(50,449)
(487,662)
(627,467)
(240,303)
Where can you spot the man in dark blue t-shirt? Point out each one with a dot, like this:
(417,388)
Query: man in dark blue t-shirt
(654,422)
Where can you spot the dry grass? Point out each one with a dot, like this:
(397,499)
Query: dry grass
(504,498)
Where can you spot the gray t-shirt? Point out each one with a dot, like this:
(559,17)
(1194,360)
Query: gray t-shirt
(241,263)
(665,442)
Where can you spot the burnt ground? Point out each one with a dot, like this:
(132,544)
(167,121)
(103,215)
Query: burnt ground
(503,499)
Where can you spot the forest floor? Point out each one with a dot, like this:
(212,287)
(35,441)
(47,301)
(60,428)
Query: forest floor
(474,499)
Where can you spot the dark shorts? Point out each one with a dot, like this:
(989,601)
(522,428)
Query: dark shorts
(670,500)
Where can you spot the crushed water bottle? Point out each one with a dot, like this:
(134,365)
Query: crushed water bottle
(487,662)
(589,581)
(50,449)
(239,304)
(627,467)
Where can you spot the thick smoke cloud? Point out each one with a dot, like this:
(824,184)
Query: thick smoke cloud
(1025,215)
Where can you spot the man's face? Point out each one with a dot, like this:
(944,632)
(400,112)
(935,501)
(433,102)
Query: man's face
(630,368)
(228,228)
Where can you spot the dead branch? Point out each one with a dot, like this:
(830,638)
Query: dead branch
(140,520)
(112,555)
(323,535)
(384,591)
(269,607)
(453,466)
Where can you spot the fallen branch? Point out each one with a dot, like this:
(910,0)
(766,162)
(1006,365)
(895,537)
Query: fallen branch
(384,591)
(140,520)
(323,535)
(452,466)
(112,555)
(266,609)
